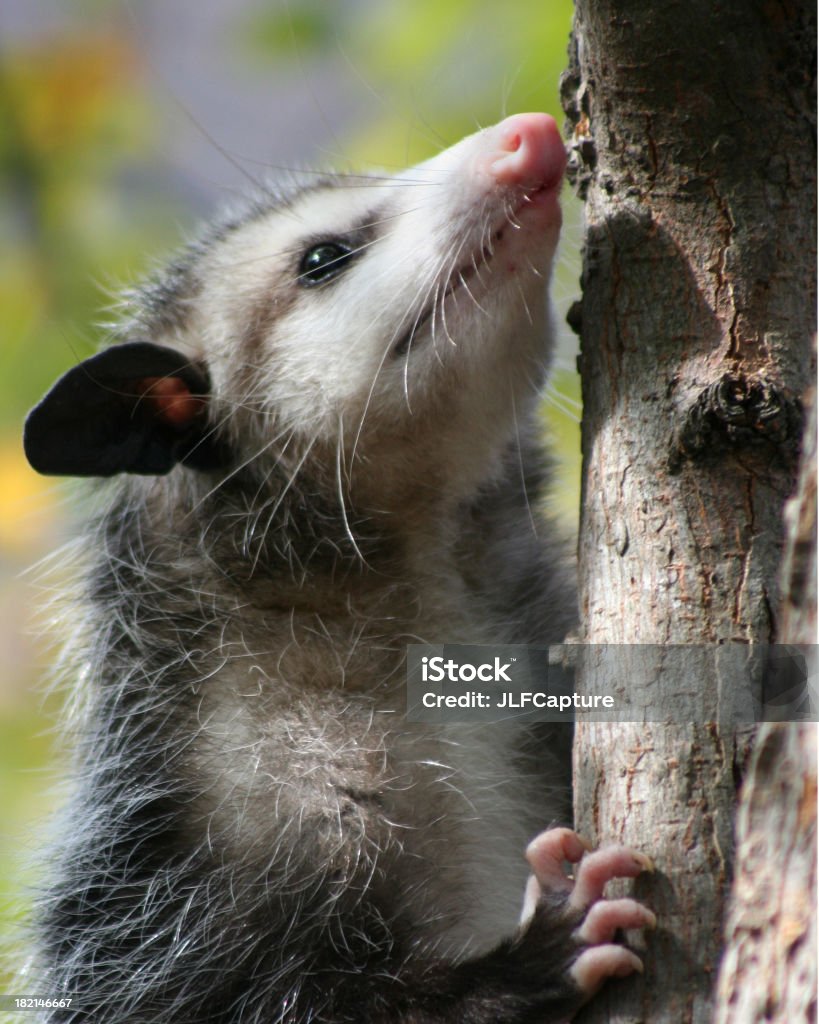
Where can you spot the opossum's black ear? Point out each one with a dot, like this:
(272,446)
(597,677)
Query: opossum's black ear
(132,408)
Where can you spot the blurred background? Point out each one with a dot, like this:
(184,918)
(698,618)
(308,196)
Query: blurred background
(122,125)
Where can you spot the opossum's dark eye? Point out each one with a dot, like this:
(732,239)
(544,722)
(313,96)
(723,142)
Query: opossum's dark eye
(322,262)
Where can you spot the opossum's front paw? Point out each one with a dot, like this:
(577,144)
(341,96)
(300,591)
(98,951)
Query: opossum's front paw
(599,919)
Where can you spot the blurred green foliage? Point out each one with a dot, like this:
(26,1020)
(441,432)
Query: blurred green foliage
(468,61)
(77,117)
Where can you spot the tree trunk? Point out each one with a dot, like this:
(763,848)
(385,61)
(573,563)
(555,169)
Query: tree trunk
(768,973)
(693,135)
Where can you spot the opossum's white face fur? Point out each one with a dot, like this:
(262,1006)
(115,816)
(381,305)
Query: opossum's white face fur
(384,317)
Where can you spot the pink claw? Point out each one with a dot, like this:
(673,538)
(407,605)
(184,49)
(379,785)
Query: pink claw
(596,964)
(600,867)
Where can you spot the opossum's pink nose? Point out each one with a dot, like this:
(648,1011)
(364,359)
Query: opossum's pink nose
(526,150)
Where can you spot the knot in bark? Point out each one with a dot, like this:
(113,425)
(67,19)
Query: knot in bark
(737,412)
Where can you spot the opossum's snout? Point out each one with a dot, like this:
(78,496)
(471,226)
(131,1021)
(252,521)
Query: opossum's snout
(506,167)
(494,215)
(525,150)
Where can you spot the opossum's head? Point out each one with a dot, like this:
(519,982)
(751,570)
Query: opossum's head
(371,319)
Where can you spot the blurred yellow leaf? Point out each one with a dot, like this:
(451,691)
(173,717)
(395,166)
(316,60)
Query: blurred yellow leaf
(26,501)
(64,91)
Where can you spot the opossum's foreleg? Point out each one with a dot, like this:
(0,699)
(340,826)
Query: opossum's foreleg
(564,951)
(600,919)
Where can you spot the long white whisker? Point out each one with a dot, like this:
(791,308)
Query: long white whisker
(420,305)
(425,308)
(340,486)
(566,406)
(475,302)
(524,303)
(279,501)
(520,462)
(434,138)
(242,465)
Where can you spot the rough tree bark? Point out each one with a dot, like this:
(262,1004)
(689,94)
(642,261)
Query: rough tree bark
(768,972)
(693,134)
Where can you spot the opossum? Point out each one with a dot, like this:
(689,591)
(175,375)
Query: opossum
(322,419)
